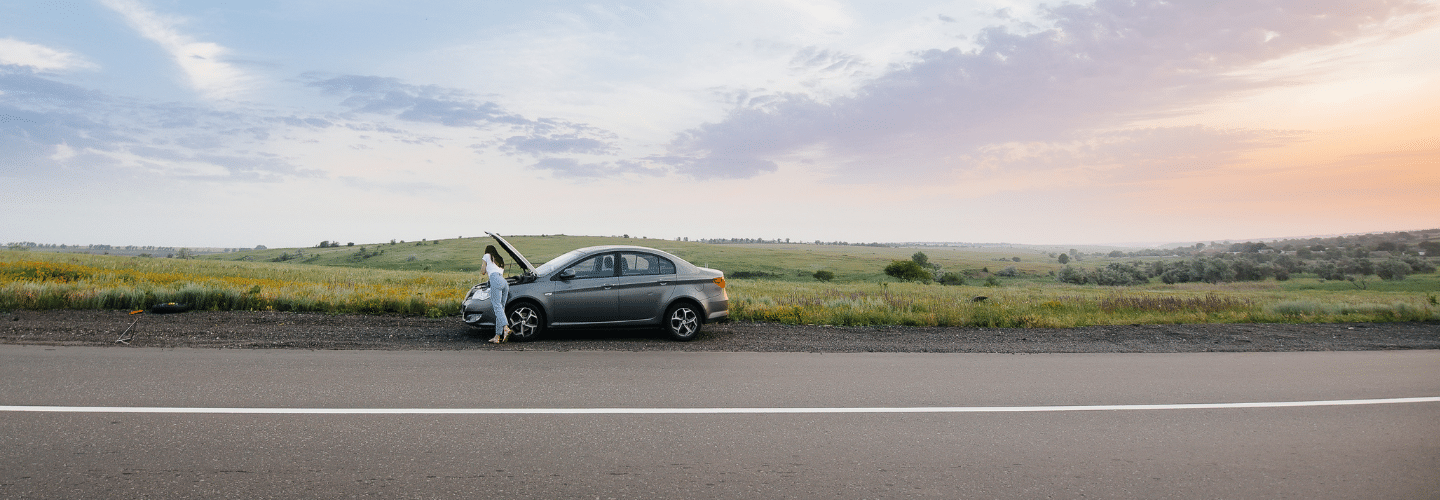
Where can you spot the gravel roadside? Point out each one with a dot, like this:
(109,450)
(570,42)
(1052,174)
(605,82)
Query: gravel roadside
(277,330)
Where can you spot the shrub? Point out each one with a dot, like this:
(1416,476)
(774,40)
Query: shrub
(954,279)
(1392,270)
(1008,272)
(907,270)
(1419,265)
(1329,271)
(1113,274)
(824,275)
(921,258)
(1070,274)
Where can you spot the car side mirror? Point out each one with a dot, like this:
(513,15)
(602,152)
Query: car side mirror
(567,275)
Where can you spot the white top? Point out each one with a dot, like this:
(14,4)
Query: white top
(490,267)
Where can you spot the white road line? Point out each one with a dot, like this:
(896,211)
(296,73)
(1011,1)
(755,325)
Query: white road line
(631,411)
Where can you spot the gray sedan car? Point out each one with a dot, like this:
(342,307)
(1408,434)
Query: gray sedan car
(604,286)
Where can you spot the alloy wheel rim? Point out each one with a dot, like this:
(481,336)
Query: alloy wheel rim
(525,321)
(683,321)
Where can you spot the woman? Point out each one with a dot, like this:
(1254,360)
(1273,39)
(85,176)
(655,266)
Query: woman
(499,292)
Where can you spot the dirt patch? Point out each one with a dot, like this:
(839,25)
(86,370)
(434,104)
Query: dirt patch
(275,330)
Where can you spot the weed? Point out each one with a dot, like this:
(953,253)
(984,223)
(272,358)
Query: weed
(1210,303)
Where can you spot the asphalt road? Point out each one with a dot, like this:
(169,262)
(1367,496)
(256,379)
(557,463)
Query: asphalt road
(1350,451)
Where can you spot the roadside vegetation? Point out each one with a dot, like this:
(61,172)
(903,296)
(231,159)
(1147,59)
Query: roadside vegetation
(786,283)
(39,280)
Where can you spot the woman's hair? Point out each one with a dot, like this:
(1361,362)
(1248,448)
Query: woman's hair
(494,255)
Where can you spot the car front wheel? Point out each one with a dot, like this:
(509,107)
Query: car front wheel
(526,321)
(682,322)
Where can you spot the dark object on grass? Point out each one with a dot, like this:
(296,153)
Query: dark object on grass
(979,299)
(169,307)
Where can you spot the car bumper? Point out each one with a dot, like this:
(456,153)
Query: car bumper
(719,310)
(478,313)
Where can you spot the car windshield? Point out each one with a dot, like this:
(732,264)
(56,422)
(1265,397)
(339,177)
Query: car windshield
(555,263)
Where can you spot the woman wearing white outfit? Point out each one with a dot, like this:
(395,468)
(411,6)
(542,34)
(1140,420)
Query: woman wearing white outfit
(499,292)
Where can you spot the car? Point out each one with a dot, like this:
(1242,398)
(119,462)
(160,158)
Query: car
(604,286)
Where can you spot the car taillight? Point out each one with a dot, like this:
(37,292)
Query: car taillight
(720,282)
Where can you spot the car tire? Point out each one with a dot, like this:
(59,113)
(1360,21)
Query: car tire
(682,322)
(526,321)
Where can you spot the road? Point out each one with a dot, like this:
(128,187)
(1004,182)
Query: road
(964,439)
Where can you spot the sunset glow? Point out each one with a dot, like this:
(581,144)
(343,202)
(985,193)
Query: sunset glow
(152,122)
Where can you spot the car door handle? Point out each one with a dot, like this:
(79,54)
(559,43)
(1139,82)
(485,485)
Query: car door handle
(607,287)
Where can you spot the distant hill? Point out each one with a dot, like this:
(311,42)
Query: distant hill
(128,250)
(782,261)
(771,259)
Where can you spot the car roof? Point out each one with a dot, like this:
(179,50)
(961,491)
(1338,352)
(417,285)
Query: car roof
(679,261)
(525,264)
(601,248)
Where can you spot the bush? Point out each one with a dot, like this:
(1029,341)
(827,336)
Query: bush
(1419,265)
(954,279)
(921,258)
(1392,270)
(1329,271)
(907,270)
(1113,274)
(823,275)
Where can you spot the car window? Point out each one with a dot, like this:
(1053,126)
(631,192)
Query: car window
(550,266)
(644,264)
(597,266)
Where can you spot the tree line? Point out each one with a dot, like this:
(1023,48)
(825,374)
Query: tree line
(1244,267)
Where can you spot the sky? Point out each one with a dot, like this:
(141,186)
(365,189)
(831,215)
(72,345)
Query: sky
(287,123)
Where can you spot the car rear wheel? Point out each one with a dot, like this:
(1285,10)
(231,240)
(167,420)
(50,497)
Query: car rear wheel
(682,322)
(526,321)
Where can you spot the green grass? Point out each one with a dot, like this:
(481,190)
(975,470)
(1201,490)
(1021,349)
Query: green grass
(787,262)
(41,280)
(337,280)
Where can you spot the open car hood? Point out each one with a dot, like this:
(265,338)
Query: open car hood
(514,256)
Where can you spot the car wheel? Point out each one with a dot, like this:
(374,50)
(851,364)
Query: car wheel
(682,322)
(526,321)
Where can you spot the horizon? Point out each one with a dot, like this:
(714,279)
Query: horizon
(1095,123)
(1161,246)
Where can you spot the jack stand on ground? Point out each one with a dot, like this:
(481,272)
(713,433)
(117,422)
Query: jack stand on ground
(126,340)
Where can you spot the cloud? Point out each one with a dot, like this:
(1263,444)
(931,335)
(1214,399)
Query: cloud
(48,128)
(537,137)
(419,103)
(22,85)
(1096,67)
(39,57)
(203,62)
(553,144)
(573,169)
(1130,156)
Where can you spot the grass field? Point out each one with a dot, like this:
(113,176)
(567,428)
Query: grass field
(430,279)
(786,262)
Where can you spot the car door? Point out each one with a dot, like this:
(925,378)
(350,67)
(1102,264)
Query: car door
(644,286)
(588,296)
